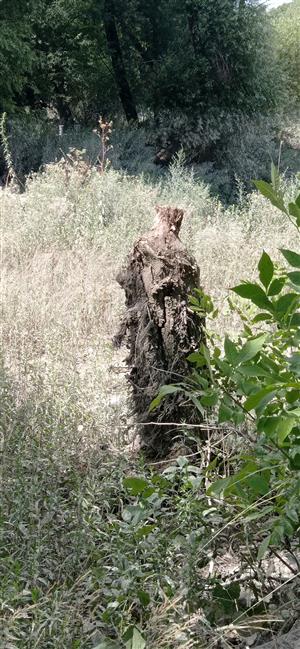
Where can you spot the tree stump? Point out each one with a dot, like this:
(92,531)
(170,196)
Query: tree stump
(159,328)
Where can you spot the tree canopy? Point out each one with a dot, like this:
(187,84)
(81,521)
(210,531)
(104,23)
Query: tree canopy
(85,56)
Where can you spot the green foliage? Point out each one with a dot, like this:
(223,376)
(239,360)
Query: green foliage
(94,544)
(256,379)
(16,51)
(57,54)
(286,21)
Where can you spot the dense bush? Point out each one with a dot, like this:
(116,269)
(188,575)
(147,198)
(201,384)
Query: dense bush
(76,58)
(225,150)
(256,379)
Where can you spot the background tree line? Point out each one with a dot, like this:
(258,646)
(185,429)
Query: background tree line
(79,57)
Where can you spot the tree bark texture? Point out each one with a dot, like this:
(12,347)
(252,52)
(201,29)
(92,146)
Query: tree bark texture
(159,328)
(115,51)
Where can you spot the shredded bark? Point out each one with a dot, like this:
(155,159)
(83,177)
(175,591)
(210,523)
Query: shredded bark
(159,327)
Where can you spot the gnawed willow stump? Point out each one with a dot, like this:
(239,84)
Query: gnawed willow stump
(159,327)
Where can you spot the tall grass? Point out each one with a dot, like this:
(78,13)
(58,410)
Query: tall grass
(65,417)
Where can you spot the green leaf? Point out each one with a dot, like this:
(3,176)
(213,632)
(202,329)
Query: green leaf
(258,484)
(267,190)
(135,486)
(263,547)
(266,269)
(218,487)
(163,392)
(295,462)
(231,351)
(295,320)
(256,399)
(262,317)
(253,370)
(285,425)
(144,597)
(276,286)
(258,514)
(255,293)
(293,258)
(225,413)
(268,425)
(210,399)
(227,596)
(205,352)
(295,277)
(286,304)
(133,638)
(275,178)
(294,211)
(251,348)
(295,362)
(145,531)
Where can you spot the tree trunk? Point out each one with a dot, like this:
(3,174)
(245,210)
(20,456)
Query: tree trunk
(192,13)
(159,328)
(115,51)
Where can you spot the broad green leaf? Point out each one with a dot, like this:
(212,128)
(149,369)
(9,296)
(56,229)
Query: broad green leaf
(133,638)
(262,317)
(135,486)
(164,391)
(231,351)
(268,425)
(219,486)
(295,277)
(278,534)
(196,357)
(295,462)
(210,399)
(293,258)
(263,548)
(287,303)
(254,370)
(276,286)
(267,190)
(255,293)
(251,348)
(145,531)
(258,484)
(266,269)
(144,597)
(256,399)
(295,320)
(285,425)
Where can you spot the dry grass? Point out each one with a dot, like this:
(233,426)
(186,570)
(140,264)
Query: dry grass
(60,301)
(61,244)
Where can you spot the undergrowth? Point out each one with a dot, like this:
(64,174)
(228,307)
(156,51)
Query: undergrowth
(98,549)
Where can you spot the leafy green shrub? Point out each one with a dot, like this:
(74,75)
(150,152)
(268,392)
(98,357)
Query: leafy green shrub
(255,379)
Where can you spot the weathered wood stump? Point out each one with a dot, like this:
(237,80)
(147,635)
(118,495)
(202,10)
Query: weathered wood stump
(159,327)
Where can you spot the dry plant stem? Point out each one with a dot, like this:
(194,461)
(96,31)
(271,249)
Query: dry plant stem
(263,599)
(288,565)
